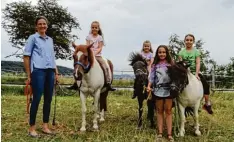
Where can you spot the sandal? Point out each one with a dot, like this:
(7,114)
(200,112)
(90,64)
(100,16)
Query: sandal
(170,138)
(48,132)
(35,135)
(159,137)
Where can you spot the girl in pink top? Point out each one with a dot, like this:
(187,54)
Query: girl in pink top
(96,36)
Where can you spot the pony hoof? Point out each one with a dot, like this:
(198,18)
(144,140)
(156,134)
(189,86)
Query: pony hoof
(95,127)
(139,128)
(102,120)
(181,134)
(198,133)
(82,129)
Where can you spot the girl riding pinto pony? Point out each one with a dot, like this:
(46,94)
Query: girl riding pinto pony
(96,37)
(192,56)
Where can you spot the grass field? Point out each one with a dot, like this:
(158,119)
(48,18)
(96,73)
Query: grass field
(120,124)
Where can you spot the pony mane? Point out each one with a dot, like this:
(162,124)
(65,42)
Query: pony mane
(135,57)
(90,56)
(178,73)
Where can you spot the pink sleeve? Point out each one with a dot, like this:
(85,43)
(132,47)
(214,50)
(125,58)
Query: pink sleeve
(88,38)
(151,55)
(100,38)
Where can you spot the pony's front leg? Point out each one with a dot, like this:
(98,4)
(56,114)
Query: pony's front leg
(102,113)
(96,108)
(140,109)
(182,116)
(83,110)
(196,126)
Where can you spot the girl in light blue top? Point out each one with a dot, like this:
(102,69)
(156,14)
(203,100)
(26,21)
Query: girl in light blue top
(39,62)
(160,81)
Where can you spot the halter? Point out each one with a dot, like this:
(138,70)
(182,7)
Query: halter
(83,66)
(179,88)
(140,70)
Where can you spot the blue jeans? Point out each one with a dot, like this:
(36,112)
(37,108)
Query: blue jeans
(42,81)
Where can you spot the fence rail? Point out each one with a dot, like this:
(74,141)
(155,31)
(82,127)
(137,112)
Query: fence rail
(216,85)
(217,82)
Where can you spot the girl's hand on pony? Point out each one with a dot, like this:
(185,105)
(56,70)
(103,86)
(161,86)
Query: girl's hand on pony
(148,89)
(197,76)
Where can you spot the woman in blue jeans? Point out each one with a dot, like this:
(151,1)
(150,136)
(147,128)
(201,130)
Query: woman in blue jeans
(39,62)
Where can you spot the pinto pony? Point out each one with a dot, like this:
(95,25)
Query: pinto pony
(89,77)
(188,91)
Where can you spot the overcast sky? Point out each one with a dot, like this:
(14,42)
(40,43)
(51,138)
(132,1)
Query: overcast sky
(127,23)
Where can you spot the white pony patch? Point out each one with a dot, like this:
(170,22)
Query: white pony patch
(190,97)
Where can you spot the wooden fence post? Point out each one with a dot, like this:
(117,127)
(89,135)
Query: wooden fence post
(213,77)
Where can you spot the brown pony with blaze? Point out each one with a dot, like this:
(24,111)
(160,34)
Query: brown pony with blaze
(86,59)
(90,80)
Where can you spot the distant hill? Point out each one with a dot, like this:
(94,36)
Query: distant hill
(16,66)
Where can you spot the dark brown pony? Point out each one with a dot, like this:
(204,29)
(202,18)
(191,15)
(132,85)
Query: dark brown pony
(141,73)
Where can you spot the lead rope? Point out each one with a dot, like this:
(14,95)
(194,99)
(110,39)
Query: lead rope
(28,93)
(149,97)
(176,114)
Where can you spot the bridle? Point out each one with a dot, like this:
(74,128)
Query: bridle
(181,87)
(145,72)
(86,70)
(85,67)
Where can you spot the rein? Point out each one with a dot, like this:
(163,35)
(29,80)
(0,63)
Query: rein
(62,90)
(149,97)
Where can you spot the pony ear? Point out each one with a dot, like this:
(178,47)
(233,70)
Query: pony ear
(186,64)
(74,45)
